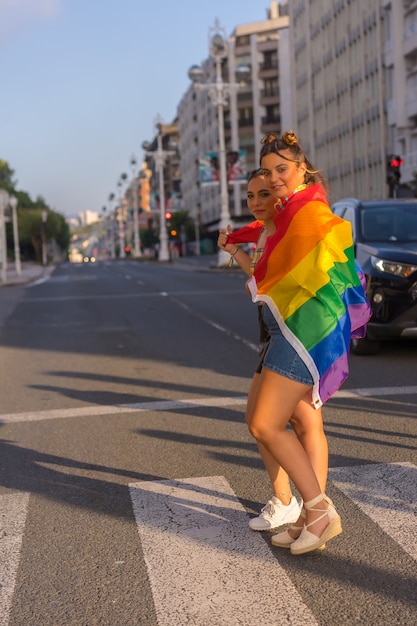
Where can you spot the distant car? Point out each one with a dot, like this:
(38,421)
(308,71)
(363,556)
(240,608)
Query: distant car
(385,240)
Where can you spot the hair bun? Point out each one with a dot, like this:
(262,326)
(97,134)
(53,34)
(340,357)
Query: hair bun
(269,138)
(290,138)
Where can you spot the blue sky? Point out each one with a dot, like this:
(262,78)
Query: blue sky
(83,81)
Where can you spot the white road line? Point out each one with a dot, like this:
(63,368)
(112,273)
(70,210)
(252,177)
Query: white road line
(205,566)
(173,405)
(377,391)
(119,296)
(157,405)
(387,493)
(13,509)
(215,325)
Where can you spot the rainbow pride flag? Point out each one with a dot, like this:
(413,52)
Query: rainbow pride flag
(308,276)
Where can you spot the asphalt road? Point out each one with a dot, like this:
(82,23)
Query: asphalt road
(127,475)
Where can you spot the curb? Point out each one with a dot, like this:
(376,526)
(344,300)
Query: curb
(27,278)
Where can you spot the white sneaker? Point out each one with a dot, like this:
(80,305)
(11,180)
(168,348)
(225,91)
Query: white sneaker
(275,514)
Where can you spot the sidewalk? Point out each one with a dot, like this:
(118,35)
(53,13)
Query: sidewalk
(208,261)
(203,261)
(30,273)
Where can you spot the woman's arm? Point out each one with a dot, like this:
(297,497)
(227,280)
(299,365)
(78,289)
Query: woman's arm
(241,258)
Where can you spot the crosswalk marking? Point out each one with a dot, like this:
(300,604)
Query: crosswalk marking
(205,566)
(13,509)
(184,403)
(387,493)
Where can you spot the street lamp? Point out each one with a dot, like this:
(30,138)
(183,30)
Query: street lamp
(43,236)
(219,93)
(159,155)
(4,200)
(120,217)
(137,252)
(13,204)
(111,228)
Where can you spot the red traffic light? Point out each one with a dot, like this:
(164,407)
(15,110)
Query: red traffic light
(168,215)
(396,161)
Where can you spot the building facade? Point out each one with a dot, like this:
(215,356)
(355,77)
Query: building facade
(354,79)
(341,73)
(400,61)
(251,109)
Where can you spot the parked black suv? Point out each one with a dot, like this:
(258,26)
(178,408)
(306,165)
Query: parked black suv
(385,238)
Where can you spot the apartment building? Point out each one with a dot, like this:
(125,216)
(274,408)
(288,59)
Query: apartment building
(262,104)
(354,80)
(400,61)
(341,73)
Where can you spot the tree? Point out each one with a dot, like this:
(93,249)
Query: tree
(6,176)
(29,215)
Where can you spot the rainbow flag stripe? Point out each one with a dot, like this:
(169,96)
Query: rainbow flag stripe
(310,280)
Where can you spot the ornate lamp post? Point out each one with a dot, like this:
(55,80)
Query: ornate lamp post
(13,204)
(219,92)
(137,252)
(159,155)
(43,236)
(120,217)
(4,200)
(111,227)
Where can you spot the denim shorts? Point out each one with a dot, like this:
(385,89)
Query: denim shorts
(278,355)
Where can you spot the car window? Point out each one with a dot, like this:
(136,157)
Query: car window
(389,224)
(349,215)
(338,210)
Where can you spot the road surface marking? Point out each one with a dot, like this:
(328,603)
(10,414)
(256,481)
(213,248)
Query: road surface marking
(222,329)
(387,493)
(13,509)
(377,391)
(119,296)
(174,405)
(205,566)
(157,405)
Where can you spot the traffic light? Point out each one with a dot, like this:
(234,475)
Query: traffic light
(168,215)
(394,163)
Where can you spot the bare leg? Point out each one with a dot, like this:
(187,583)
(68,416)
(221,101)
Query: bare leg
(271,409)
(277,475)
(307,423)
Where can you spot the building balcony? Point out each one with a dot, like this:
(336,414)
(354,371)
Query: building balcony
(268,97)
(268,70)
(245,122)
(269,65)
(271,123)
(244,97)
(410,44)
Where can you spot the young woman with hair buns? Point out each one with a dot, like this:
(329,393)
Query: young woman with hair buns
(312,300)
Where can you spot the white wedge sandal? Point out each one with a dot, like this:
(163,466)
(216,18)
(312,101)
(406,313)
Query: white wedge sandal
(307,541)
(284,539)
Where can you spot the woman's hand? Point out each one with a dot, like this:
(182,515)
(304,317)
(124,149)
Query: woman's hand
(222,239)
